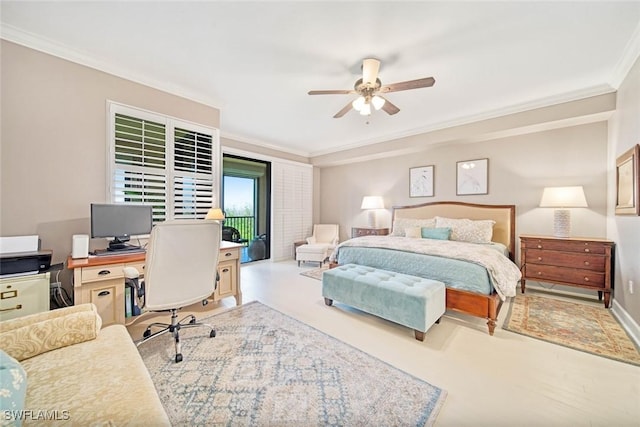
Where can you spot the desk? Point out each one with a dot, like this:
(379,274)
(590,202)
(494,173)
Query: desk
(100,280)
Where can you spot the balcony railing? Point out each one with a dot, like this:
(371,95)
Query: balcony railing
(245,226)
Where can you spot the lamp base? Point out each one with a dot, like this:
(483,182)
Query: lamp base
(371,217)
(561,223)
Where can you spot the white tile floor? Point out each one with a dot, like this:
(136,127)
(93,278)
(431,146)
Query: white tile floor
(507,379)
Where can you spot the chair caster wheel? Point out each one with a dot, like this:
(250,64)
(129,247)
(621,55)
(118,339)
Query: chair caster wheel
(178,358)
(212,334)
(146,333)
(192,321)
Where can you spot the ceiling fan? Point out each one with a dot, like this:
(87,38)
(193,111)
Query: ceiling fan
(369,88)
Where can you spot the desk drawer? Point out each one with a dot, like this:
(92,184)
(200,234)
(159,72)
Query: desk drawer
(227,254)
(565,259)
(563,274)
(102,272)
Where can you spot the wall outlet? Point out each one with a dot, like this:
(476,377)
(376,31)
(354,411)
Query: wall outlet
(631,286)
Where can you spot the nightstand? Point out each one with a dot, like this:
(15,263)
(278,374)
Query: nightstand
(581,262)
(368,231)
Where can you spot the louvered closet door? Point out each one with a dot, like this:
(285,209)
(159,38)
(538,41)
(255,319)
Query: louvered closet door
(292,207)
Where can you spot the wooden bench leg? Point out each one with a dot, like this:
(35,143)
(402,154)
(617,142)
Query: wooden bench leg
(328,301)
(419,335)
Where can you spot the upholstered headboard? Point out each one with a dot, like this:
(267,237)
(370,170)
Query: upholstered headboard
(504,215)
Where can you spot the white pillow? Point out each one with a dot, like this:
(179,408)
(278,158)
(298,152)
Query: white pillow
(399,224)
(466,230)
(413,232)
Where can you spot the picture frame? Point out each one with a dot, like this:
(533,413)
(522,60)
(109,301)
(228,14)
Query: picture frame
(472,177)
(628,182)
(421,181)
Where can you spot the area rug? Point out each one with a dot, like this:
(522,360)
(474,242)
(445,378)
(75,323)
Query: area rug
(265,368)
(316,273)
(584,327)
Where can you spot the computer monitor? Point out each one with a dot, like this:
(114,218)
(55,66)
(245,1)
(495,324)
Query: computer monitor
(119,222)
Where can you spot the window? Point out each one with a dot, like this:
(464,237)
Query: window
(158,160)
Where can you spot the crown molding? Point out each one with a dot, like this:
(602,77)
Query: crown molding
(50,47)
(629,57)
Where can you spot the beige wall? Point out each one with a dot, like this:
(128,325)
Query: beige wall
(519,168)
(53,141)
(625,230)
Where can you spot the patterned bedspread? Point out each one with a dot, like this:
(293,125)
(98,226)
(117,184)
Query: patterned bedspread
(503,273)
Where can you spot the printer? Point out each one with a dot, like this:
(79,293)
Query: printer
(21,255)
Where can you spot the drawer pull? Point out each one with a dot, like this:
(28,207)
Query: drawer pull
(586,263)
(539,273)
(8,294)
(17,307)
(104,293)
(586,249)
(539,258)
(104,272)
(586,279)
(225,270)
(228,254)
(539,246)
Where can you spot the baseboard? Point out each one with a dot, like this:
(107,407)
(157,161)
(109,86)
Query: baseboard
(627,322)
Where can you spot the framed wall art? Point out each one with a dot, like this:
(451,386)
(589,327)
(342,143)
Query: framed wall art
(627,182)
(421,181)
(472,177)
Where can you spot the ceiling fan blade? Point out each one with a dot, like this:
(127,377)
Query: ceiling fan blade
(344,111)
(388,107)
(411,84)
(370,68)
(332,92)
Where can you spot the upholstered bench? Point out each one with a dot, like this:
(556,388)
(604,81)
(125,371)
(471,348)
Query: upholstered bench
(316,252)
(411,301)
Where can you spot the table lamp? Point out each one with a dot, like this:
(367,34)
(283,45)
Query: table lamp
(563,198)
(372,203)
(215,214)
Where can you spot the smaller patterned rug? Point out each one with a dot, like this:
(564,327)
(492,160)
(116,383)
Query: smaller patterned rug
(265,368)
(316,273)
(584,327)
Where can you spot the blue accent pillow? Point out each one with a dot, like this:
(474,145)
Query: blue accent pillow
(13,386)
(441,233)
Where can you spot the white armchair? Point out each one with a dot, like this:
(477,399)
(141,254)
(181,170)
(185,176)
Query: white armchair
(320,244)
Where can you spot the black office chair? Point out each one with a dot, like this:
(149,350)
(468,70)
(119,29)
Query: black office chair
(230,234)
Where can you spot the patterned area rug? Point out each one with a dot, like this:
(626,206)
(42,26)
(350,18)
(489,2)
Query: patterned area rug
(266,368)
(316,273)
(579,326)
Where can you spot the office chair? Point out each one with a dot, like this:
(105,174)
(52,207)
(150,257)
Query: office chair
(180,270)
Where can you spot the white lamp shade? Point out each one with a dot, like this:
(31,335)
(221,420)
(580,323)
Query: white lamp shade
(372,202)
(563,197)
(377,102)
(365,110)
(358,103)
(215,213)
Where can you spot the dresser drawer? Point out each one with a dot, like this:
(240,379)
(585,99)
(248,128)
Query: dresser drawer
(102,272)
(565,259)
(565,245)
(564,275)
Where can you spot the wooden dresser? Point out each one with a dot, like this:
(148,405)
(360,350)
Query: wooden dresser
(580,262)
(368,231)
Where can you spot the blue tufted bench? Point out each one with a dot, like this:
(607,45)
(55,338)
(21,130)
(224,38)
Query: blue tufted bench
(408,300)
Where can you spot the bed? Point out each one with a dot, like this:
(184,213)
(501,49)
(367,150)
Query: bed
(478,278)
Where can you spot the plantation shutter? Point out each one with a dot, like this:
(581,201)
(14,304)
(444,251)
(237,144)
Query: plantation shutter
(140,161)
(292,207)
(159,161)
(193,179)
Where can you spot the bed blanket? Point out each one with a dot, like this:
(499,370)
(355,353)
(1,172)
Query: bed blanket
(503,273)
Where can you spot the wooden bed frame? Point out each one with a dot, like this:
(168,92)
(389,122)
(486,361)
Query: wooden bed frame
(478,305)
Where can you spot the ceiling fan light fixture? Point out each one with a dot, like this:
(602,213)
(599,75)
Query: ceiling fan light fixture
(365,110)
(377,102)
(358,103)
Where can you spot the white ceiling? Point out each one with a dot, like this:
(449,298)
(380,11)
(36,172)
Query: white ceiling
(256,61)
